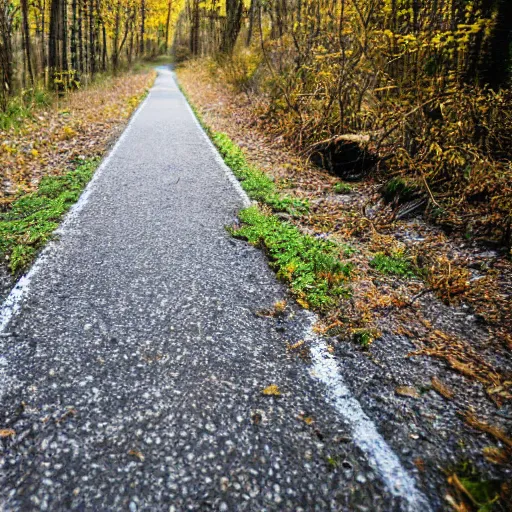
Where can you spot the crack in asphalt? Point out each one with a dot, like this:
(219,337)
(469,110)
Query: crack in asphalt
(134,371)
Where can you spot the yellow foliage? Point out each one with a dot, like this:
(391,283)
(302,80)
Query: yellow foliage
(272,390)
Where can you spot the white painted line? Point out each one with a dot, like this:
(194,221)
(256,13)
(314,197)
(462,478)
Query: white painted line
(380,455)
(325,369)
(218,158)
(12,303)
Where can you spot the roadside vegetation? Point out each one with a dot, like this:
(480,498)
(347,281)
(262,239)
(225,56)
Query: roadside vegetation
(62,45)
(313,267)
(392,123)
(32,218)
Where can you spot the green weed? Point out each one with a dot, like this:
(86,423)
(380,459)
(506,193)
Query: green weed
(398,264)
(342,188)
(364,337)
(312,266)
(258,185)
(484,494)
(32,219)
(400,189)
(333,462)
(22,107)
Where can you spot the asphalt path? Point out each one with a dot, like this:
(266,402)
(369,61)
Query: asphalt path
(133,357)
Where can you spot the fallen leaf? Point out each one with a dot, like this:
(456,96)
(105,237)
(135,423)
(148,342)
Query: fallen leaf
(297,345)
(441,388)
(136,453)
(492,430)
(420,464)
(407,391)
(495,455)
(272,390)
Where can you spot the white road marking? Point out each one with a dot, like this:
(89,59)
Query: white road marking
(380,455)
(12,303)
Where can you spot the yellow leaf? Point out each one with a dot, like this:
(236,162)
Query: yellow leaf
(407,391)
(272,390)
(137,453)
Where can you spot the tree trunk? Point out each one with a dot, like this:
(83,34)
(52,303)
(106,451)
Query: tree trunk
(5,54)
(54,54)
(43,32)
(194,29)
(81,62)
(232,26)
(26,39)
(132,36)
(104,55)
(115,44)
(74,36)
(92,39)
(142,28)
(64,34)
(252,10)
(167,24)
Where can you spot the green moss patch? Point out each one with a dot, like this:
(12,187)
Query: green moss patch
(398,265)
(342,188)
(312,266)
(32,219)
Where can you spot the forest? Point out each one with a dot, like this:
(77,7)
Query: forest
(418,89)
(61,44)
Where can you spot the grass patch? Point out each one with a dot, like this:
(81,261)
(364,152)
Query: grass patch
(32,218)
(311,266)
(364,337)
(342,188)
(258,185)
(22,107)
(400,189)
(482,495)
(398,265)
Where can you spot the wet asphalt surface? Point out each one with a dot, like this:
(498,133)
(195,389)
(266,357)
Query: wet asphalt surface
(133,375)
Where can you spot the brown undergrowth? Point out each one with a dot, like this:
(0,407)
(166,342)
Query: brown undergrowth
(410,278)
(78,126)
